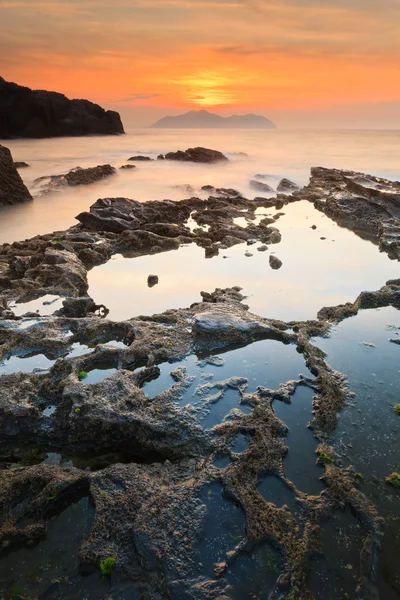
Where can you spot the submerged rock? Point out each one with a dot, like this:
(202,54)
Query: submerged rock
(38,114)
(199,154)
(128,167)
(12,188)
(21,164)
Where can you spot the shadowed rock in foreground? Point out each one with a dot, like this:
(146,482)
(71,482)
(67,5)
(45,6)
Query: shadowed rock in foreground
(12,188)
(39,114)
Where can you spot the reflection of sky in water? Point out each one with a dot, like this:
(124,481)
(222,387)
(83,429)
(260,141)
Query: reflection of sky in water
(300,463)
(46,305)
(268,363)
(368,431)
(279,153)
(369,423)
(315,272)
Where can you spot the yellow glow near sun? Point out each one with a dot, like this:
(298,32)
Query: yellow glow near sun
(207,88)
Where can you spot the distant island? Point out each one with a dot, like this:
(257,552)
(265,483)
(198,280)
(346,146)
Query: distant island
(26,113)
(203,119)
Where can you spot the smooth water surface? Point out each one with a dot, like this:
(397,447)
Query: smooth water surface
(315,272)
(368,432)
(277,153)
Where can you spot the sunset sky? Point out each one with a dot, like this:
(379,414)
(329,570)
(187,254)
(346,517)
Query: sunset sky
(326,62)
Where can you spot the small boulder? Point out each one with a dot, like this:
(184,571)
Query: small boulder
(152,280)
(285,185)
(128,167)
(160,157)
(78,307)
(274,262)
(21,164)
(259,186)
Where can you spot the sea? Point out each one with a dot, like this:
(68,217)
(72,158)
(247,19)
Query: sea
(275,153)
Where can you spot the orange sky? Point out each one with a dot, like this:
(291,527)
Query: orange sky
(278,57)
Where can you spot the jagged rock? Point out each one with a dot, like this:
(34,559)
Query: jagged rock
(199,154)
(285,185)
(274,262)
(259,186)
(90,175)
(39,114)
(12,188)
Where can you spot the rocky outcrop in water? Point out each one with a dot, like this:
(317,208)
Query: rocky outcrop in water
(74,177)
(259,186)
(285,185)
(38,114)
(368,205)
(90,175)
(12,188)
(200,155)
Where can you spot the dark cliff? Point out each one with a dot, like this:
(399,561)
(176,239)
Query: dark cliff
(38,114)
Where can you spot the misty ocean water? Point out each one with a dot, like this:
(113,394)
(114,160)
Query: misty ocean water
(276,153)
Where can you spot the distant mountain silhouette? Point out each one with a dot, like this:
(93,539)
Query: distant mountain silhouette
(204,119)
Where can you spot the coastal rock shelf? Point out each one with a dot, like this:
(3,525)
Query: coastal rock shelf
(190,453)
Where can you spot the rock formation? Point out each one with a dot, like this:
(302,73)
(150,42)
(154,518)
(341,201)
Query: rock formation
(39,114)
(201,155)
(12,188)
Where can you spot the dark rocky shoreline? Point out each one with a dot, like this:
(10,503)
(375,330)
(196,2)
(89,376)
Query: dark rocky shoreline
(148,512)
(26,113)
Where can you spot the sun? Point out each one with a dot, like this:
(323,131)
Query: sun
(207,88)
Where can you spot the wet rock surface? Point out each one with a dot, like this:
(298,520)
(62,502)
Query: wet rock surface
(38,114)
(184,507)
(75,177)
(12,188)
(368,205)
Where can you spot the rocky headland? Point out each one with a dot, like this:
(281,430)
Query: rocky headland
(26,113)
